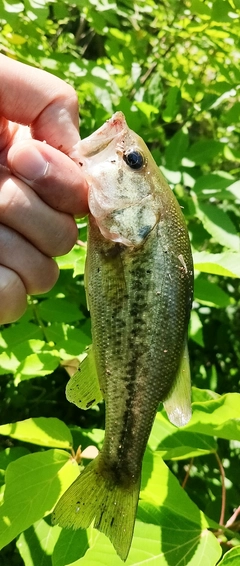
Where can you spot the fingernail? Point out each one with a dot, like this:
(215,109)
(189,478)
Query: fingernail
(28,163)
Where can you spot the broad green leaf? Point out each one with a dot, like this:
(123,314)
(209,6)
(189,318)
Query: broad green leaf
(219,417)
(157,545)
(198,7)
(36,365)
(208,293)
(37,543)
(59,310)
(19,333)
(172,104)
(8,363)
(11,454)
(204,151)
(178,444)
(176,150)
(40,430)
(226,263)
(169,494)
(219,225)
(33,485)
(146,109)
(202,395)
(234,190)
(220,11)
(196,328)
(70,547)
(75,260)
(231,558)
(212,185)
(232,116)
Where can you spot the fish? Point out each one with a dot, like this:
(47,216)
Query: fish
(139,287)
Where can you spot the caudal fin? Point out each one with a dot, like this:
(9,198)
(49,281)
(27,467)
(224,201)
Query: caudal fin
(95,497)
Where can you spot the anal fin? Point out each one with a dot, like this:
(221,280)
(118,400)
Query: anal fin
(178,403)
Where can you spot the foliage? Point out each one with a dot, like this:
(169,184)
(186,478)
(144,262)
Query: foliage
(173,69)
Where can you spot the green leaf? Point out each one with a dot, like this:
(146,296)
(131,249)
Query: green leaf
(204,151)
(226,263)
(156,545)
(11,454)
(70,547)
(231,558)
(196,328)
(146,109)
(18,333)
(208,293)
(213,185)
(178,444)
(176,150)
(59,310)
(199,7)
(75,260)
(35,365)
(219,225)
(220,11)
(219,417)
(40,430)
(33,485)
(172,104)
(37,543)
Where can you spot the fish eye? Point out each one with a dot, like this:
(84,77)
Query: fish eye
(134,159)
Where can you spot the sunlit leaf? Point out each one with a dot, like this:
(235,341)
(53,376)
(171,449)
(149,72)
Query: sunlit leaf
(42,431)
(226,264)
(219,225)
(37,543)
(231,558)
(218,417)
(33,485)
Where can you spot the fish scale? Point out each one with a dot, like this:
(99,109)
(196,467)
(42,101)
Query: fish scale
(139,283)
(125,357)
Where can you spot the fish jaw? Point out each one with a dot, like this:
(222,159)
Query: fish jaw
(100,139)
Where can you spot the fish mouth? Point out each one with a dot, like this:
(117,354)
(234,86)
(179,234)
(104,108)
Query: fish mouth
(99,140)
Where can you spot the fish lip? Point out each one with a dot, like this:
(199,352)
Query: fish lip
(99,140)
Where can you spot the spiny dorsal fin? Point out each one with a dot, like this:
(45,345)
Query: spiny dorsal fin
(178,404)
(83,388)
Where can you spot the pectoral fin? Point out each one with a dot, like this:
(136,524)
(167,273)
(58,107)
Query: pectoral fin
(178,404)
(83,388)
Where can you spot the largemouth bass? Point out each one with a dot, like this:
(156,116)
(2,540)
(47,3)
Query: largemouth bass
(139,281)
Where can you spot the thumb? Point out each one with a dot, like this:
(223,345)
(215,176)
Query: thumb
(56,178)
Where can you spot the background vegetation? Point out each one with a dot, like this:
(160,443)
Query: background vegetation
(173,68)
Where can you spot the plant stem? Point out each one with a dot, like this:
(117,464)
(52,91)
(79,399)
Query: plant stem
(222,473)
(188,473)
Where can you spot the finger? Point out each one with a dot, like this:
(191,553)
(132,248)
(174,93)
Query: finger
(53,233)
(38,272)
(52,174)
(13,297)
(35,97)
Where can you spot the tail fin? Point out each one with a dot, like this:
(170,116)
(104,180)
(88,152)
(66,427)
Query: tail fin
(95,496)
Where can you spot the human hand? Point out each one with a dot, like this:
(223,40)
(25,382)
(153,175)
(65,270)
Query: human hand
(41,186)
